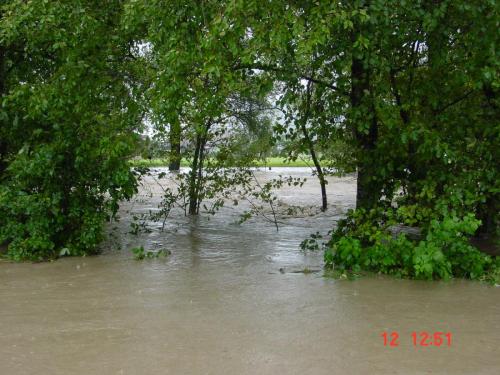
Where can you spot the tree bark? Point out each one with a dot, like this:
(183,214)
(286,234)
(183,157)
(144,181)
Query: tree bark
(3,143)
(200,173)
(196,173)
(317,165)
(193,184)
(414,172)
(175,147)
(363,113)
(312,151)
(489,211)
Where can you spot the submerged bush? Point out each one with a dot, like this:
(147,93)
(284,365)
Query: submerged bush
(59,209)
(442,252)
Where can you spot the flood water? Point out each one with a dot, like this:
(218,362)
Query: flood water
(230,300)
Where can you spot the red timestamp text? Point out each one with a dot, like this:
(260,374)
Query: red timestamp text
(423,338)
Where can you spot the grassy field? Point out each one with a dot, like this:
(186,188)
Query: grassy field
(270,162)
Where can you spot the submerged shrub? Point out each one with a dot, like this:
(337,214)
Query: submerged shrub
(59,209)
(442,252)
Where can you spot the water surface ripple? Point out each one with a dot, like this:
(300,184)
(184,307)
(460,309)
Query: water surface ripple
(219,304)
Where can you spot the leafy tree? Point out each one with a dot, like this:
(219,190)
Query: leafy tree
(194,92)
(404,92)
(68,117)
(413,85)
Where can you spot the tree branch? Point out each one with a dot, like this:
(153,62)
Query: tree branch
(273,68)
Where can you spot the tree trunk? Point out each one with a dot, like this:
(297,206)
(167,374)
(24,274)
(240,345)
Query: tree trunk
(193,183)
(196,173)
(317,165)
(200,173)
(312,151)
(3,144)
(175,147)
(365,197)
(363,117)
(414,172)
(488,212)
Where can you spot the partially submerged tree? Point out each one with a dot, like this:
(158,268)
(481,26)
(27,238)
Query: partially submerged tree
(193,91)
(417,94)
(409,90)
(67,125)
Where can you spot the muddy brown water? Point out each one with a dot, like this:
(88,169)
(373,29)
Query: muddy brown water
(220,305)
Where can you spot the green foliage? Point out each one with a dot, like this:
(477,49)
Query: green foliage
(312,243)
(443,252)
(139,224)
(406,93)
(140,253)
(67,124)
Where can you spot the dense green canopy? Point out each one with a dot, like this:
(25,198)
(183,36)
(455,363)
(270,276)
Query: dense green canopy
(403,92)
(67,121)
